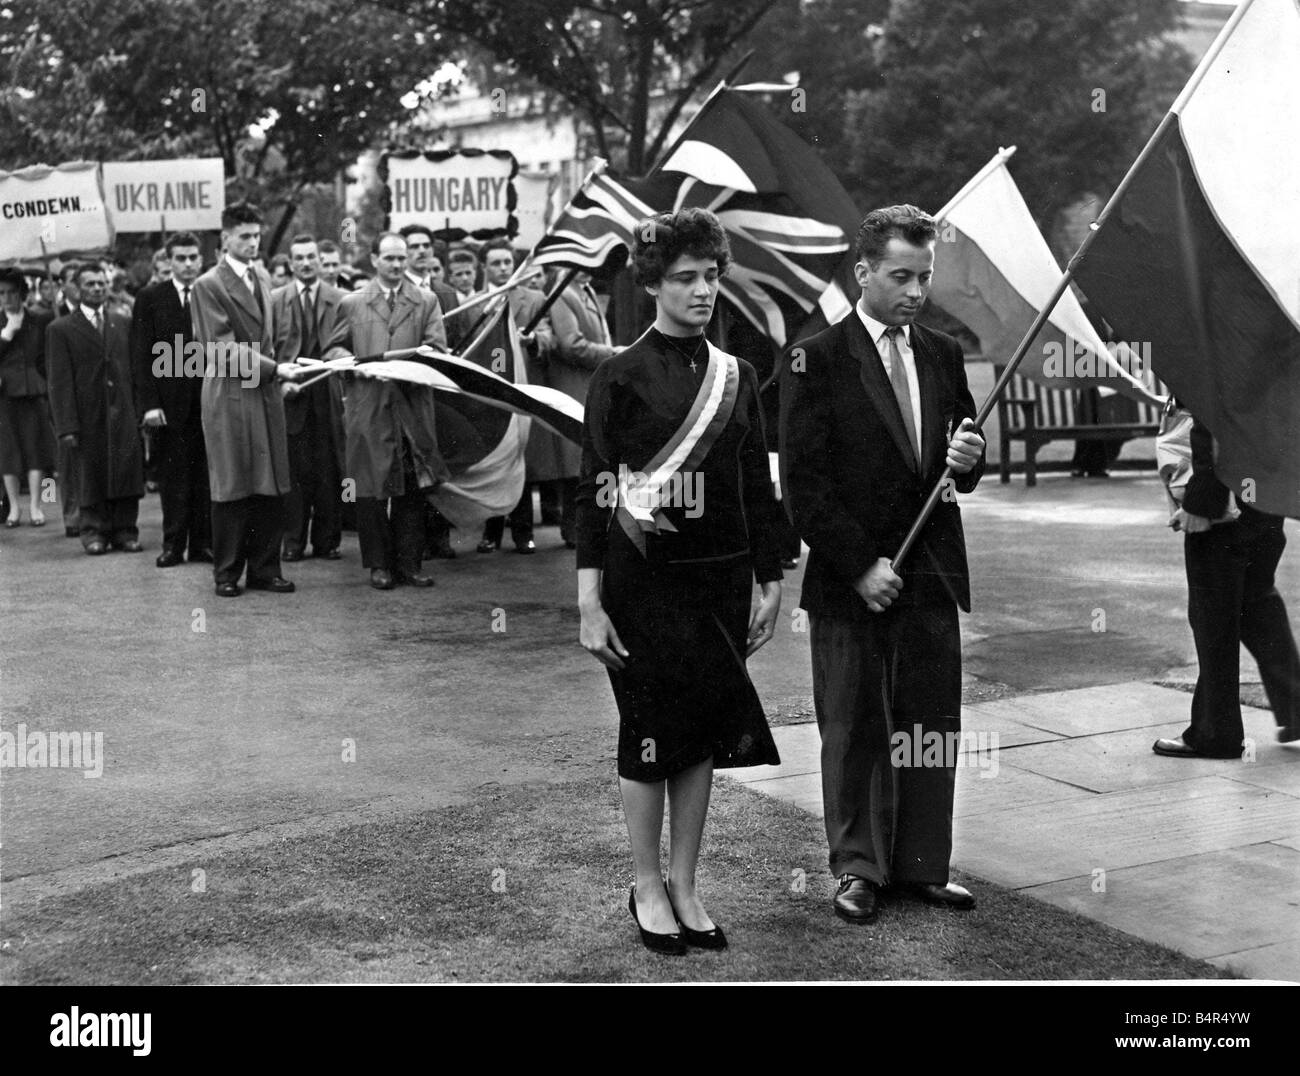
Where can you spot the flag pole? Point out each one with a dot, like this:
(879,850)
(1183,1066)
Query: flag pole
(722,85)
(1022,348)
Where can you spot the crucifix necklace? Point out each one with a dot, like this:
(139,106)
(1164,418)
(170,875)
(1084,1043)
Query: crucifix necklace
(691,357)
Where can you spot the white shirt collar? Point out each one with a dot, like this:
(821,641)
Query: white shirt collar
(91,313)
(180,288)
(240,268)
(876,329)
(303,287)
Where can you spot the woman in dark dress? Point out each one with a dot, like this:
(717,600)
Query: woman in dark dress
(26,437)
(674,525)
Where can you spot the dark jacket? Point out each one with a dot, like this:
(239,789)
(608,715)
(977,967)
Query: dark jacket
(1206,495)
(91,397)
(159,318)
(22,359)
(849,486)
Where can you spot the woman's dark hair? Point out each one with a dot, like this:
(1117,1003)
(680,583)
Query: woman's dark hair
(660,240)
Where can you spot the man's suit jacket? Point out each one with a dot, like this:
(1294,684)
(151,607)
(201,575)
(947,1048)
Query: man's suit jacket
(847,476)
(159,318)
(91,397)
(289,343)
(377,414)
(243,422)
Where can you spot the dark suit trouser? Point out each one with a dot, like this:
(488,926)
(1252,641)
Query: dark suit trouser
(112,521)
(69,462)
(899,672)
(247,531)
(183,486)
(1231,600)
(315,500)
(520,519)
(393,539)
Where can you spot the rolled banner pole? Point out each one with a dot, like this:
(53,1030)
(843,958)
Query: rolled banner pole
(524,272)
(551,297)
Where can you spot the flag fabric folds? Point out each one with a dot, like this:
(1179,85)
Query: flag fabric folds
(1199,253)
(789,221)
(994,272)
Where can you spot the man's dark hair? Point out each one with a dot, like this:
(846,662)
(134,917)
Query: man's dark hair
(495,244)
(90,267)
(660,240)
(240,213)
(904,222)
(328,246)
(460,256)
(181,239)
(408,230)
(15,277)
(374,247)
(303,237)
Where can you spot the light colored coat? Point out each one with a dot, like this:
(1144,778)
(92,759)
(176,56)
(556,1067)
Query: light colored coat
(243,416)
(377,415)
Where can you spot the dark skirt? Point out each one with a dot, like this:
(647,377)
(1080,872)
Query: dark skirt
(684,695)
(26,436)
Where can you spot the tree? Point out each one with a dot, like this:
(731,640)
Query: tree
(1077,85)
(611,61)
(318,81)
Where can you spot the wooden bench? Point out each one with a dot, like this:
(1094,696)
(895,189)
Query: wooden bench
(1037,415)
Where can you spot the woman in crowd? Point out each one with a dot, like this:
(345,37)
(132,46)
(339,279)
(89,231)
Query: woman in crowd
(26,438)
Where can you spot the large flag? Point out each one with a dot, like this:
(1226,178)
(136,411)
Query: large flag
(994,272)
(789,221)
(1198,252)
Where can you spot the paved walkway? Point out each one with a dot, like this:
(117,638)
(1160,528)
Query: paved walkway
(1060,797)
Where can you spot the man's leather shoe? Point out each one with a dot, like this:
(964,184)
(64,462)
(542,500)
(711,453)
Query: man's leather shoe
(855,899)
(486,546)
(168,558)
(951,895)
(1288,733)
(96,548)
(129,546)
(329,554)
(526,546)
(414,578)
(275,586)
(228,590)
(203,556)
(1179,748)
(292,555)
(381,579)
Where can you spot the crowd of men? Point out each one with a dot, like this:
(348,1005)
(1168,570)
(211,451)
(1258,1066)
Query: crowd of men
(192,387)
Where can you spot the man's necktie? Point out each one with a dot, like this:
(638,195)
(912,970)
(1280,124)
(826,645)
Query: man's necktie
(257,292)
(392,300)
(898,379)
(309,345)
(185,299)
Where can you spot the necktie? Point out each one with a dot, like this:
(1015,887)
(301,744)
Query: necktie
(308,324)
(185,298)
(257,292)
(392,300)
(898,379)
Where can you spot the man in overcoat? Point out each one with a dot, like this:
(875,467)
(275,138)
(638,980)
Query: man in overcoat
(88,359)
(391,433)
(243,412)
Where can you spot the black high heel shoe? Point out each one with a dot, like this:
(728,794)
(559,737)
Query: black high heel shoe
(701,939)
(668,944)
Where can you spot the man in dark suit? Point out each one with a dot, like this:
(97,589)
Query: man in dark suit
(304,313)
(872,409)
(69,479)
(168,373)
(392,441)
(88,357)
(243,412)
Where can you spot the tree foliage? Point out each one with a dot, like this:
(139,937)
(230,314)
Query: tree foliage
(1077,86)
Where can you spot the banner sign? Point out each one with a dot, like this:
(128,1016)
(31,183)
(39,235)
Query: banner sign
(165,196)
(457,193)
(535,208)
(46,211)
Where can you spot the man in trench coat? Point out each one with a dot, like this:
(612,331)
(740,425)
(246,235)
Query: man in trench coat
(88,358)
(243,412)
(392,445)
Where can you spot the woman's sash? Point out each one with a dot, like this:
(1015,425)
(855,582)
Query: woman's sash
(641,496)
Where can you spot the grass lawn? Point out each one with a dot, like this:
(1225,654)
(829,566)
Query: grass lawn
(529,884)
